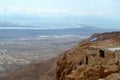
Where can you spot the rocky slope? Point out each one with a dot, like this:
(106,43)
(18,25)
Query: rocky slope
(91,60)
(34,71)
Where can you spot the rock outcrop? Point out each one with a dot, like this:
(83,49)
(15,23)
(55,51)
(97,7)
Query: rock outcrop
(91,60)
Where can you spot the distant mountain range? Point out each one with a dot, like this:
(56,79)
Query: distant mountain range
(13,24)
(84,30)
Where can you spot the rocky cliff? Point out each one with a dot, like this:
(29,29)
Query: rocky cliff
(91,60)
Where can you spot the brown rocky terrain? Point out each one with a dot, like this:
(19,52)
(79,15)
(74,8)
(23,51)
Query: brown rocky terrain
(89,60)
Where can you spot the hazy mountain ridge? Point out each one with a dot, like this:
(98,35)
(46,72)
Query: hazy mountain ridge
(14,24)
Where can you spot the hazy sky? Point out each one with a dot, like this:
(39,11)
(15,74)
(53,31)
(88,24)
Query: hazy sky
(101,13)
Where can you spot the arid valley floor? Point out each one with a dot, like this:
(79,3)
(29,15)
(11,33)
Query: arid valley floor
(15,53)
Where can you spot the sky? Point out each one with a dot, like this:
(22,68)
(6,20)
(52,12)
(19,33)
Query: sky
(99,13)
